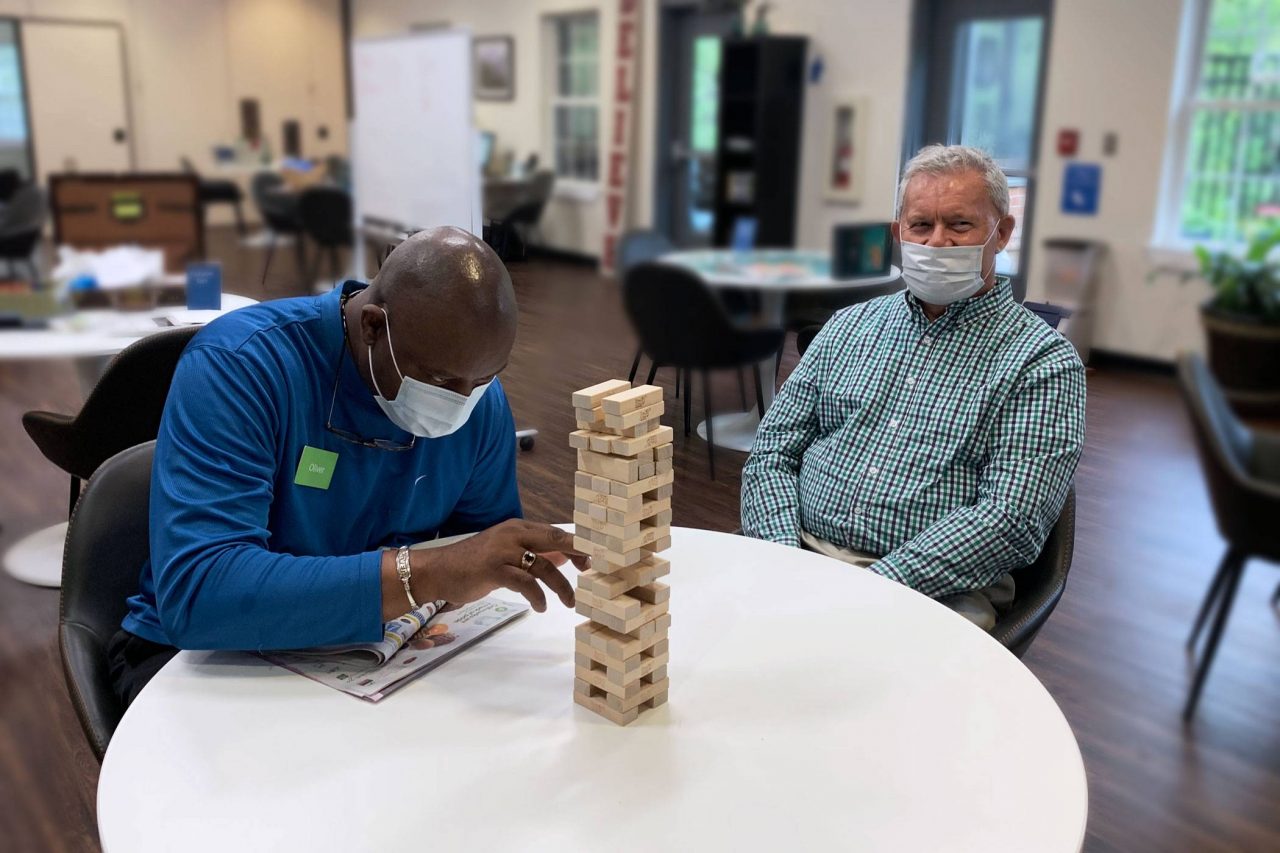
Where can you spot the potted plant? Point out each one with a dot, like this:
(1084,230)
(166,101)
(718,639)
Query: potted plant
(1242,321)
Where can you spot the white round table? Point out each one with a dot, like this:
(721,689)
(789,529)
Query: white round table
(812,706)
(772,273)
(90,338)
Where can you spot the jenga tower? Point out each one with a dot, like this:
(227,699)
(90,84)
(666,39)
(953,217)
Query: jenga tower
(622,515)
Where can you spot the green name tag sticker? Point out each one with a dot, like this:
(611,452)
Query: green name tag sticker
(315,468)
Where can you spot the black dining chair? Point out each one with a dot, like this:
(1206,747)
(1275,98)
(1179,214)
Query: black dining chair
(279,211)
(1039,587)
(681,324)
(512,235)
(21,223)
(123,409)
(636,247)
(325,214)
(1242,471)
(108,543)
(217,191)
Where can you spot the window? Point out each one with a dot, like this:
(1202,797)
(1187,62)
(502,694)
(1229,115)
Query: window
(1226,164)
(575,99)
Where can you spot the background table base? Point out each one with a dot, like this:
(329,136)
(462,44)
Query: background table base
(37,558)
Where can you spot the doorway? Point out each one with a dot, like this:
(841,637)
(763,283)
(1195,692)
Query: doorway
(978,79)
(77,93)
(689,50)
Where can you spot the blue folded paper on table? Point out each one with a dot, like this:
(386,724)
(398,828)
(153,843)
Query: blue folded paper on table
(204,286)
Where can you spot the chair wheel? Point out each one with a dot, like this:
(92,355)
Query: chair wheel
(526,442)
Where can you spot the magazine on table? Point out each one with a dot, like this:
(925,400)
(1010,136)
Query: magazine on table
(411,645)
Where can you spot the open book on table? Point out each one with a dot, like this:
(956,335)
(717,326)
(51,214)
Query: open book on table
(411,645)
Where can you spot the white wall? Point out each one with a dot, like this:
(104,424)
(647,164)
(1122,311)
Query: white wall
(190,62)
(1111,70)
(572,221)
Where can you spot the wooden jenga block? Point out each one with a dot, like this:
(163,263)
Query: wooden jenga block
(623,608)
(657,439)
(663,451)
(591,420)
(606,560)
(662,492)
(594,701)
(580,439)
(619,682)
(600,442)
(635,418)
(612,584)
(596,512)
(639,487)
(648,509)
(654,593)
(639,397)
(647,613)
(619,672)
(662,518)
(660,545)
(639,429)
(589,398)
(646,470)
(623,531)
(616,468)
(613,502)
(618,645)
(647,536)
(651,685)
(662,466)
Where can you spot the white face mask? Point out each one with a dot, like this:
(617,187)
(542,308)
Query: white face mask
(422,409)
(940,275)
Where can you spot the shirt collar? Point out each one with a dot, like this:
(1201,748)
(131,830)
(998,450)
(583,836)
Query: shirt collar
(964,311)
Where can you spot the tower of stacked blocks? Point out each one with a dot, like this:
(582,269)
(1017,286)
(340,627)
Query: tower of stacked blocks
(622,518)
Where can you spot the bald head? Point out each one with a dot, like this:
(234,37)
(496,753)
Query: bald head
(447,302)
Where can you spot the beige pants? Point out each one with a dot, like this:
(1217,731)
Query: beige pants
(980,606)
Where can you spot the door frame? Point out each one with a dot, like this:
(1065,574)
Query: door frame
(668,105)
(130,135)
(916,120)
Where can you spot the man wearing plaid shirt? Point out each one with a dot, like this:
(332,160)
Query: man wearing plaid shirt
(929,435)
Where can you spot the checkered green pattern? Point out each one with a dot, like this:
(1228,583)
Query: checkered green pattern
(947,447)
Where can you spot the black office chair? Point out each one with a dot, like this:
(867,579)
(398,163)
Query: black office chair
(325,214)
(279,212)
(21,224)
(636,247)
(217,191)
(511,237)
(681,324)
(1038,587)
(10,180)
(107,545)
(1242,470)
(123,409)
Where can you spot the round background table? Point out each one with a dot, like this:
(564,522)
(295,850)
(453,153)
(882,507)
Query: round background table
(812,706)
(90,338)
(772,273)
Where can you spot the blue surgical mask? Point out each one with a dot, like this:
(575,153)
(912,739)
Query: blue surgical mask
(422,409)
(940,275)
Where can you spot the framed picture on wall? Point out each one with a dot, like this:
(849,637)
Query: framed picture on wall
(846,150)
(495,68)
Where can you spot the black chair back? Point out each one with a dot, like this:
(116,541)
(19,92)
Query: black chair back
(123,410)
(529,211)
(325,214)
(805,337)
(26,213)
(1038,587)
(107,545)
(636,247)
(278,211)
(1246,502)
(680,322)
(10,180)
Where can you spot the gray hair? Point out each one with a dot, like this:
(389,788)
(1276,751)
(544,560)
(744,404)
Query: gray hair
(947,159)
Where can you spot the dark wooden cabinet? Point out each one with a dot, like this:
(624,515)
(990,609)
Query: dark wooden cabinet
(758,153)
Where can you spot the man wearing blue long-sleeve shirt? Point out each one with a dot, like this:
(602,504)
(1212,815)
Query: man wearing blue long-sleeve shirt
(306,441)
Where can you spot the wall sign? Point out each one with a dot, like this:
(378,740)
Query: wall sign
(1081,186)
(620,147)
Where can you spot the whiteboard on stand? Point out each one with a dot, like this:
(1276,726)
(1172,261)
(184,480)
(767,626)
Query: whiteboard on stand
(413,138)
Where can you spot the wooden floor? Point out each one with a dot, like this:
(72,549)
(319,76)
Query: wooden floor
(1112,655)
